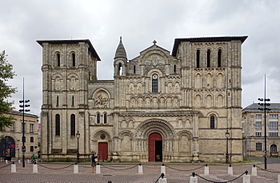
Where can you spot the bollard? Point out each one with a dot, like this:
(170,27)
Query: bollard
(98,169)
(19,161)
(162,179)
(246,178)
(206,170)
(6,161)
(230,170)
(140,169)
(76,168)
(28,161)
(109,181)
(254,170)
(35,168)
(278,178)
(162,169)
(13,168)
(193,178)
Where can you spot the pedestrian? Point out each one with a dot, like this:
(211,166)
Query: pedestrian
(33,158)
(93,161)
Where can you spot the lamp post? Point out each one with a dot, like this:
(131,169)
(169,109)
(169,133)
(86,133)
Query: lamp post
(24,104)
(227,156)
(78,137)
(264,107)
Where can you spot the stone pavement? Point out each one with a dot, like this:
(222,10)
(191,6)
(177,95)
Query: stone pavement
(175,173)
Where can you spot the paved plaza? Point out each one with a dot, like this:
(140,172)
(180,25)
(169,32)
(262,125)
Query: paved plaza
(121,173)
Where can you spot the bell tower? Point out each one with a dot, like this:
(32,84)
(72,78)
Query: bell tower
(120,60)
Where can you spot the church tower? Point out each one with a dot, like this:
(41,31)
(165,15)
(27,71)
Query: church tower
(68,66)
(120,60)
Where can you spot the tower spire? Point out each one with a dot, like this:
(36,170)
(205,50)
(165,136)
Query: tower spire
(120,52)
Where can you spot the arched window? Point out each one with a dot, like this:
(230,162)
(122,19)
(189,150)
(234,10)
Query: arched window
(73,59)
(98,118)
(105,118)
(57,101)
(208,58)
(72,120)
(197,58)
(57,125)
(134,69)
(220,58)
(154,83)
(273,148)
(212,122)
(120,69)
(174,68)
(73,101)
(58,59)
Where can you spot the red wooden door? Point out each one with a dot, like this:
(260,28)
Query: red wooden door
(152,145)
(102,151)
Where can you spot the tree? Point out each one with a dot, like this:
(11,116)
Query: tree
(6,73)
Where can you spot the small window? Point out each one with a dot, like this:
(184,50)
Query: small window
(258,146)
(273,125)
(208,58)
(258,125)
(58,59)
(73,101)
(258,134)
(57,125)
(258,116)
(31,139)
(154,83)
(31,128)
(273,116)
(120,69)
(175,69)
(273,134)
(105,117)
(57,101)
(72,120)
(134,69)
(73,59)
(31,148)
(197,58)
(212,122)
(98,118)
(219,58)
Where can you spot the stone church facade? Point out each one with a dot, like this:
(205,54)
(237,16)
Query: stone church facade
(161,106)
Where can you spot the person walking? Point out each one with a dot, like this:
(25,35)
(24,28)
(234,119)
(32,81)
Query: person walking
(93,162)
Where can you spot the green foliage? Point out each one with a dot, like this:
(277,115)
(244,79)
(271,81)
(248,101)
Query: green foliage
(6,73)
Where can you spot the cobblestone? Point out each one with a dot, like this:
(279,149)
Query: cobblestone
(116,174)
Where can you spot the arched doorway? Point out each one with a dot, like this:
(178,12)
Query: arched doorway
(7,147)
(155,147)
(102,151)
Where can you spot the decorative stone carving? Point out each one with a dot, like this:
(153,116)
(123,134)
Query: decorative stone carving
(101,99)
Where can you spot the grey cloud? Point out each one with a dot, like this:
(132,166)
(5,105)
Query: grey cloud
(139,22)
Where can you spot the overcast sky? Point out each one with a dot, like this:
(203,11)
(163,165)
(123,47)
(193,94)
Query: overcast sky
(139,23)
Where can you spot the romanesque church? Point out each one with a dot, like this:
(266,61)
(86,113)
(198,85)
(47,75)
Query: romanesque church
(161,106)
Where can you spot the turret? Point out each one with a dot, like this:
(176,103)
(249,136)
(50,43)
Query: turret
(120,60)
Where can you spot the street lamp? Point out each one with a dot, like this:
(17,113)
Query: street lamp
(23,108)
(227,136)
(264,103)
(78,136)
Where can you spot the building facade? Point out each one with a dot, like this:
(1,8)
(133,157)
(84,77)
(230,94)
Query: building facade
(161,106)
(253,124)
(11,138)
